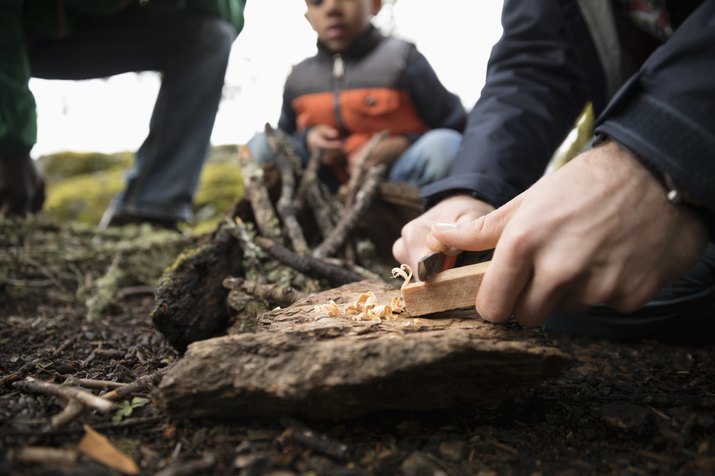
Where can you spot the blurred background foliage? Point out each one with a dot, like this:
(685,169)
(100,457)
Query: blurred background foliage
(81,185)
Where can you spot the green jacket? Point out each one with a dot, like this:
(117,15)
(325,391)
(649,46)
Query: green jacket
(18,119)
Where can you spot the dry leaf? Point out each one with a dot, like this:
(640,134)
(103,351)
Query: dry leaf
(96,446)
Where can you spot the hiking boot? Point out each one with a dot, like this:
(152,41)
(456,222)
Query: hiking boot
(112,219)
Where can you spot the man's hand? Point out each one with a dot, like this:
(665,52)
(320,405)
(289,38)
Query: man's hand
(326,138)
(22,189)
(413,244)
(597,231)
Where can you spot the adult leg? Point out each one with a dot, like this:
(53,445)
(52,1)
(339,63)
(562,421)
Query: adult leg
(428,159)
(191,51)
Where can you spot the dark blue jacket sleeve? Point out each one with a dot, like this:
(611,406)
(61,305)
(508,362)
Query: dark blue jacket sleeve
(666,112)
(534,92)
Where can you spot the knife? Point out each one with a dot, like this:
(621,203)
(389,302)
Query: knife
(433,263)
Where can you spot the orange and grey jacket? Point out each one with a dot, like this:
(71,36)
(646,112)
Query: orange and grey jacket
(379,83)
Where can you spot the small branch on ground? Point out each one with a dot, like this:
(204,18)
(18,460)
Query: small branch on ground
(266,219)
(141,385)
(93,384)
(309,179)
(65,392)
(353,268)
(322,211)
(364,198)
(287,167)
(359,169)
(320,443)
(69,413)
(188,468)
(50,457)
(307,265)
(252,253)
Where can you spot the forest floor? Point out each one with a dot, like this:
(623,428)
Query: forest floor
(621,408)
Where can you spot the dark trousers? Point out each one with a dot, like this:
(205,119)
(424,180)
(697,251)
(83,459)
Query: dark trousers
(191,52)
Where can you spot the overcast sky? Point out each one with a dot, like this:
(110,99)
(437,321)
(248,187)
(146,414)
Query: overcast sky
(111,115)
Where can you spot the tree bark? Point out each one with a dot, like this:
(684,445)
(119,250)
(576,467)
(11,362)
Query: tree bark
(302,362)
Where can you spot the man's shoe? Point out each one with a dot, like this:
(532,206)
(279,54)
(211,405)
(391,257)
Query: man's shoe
(112,219)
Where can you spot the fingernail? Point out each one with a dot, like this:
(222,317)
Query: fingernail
(444,226)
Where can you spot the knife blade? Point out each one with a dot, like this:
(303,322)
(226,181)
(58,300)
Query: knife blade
(433,263)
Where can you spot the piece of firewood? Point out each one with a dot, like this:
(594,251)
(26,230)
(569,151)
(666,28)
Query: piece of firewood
(449,290)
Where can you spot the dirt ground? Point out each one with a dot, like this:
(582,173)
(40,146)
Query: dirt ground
(636,408)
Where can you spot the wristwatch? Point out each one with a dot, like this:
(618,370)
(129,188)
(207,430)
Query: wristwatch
(674,194)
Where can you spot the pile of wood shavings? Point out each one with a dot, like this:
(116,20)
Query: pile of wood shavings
(365,308)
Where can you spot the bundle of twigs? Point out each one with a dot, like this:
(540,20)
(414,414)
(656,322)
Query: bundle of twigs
(279,231)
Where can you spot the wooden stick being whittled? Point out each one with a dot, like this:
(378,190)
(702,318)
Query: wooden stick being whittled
(449,290)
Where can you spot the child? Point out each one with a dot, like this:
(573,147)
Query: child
(360,83)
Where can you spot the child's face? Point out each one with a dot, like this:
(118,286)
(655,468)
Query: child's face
(339,22)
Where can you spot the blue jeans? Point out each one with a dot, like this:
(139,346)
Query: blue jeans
(682,313)
(425,161)
(191,51)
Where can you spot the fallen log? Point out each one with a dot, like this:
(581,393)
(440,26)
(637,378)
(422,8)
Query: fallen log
(302,362)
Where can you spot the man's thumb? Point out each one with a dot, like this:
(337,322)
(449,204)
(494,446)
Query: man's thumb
(476,235)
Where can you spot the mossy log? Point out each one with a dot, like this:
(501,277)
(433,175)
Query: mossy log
(304,363)
(190,298)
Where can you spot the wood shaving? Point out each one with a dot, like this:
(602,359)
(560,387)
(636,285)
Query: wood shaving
(404,271)
(331,309)
(365,308)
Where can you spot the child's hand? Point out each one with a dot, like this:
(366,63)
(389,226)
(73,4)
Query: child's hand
(326,138)
(388,150)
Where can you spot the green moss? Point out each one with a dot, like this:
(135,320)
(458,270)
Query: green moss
(63,165)
(83,198)
(81,186)
(220,186)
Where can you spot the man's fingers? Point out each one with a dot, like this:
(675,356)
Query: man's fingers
(433,244)
(501,287)
(482,233)
(543,293)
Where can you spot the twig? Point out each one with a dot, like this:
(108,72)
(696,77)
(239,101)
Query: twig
(43,455)
(68,393)
(129,422)
(142,384)
(320,443)
(354,268)
(136,290)
(257,194)
(309,178)
(363,200)
(280,295)
(358,171)
(252,254)
(321,209)
(92,383)
(285,208)
(307,265)
(187,468)
(69,413)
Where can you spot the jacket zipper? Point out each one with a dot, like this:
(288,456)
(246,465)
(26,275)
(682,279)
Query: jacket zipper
(338,77)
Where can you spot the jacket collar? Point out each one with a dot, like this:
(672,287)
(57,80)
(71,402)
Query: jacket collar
(362,45)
